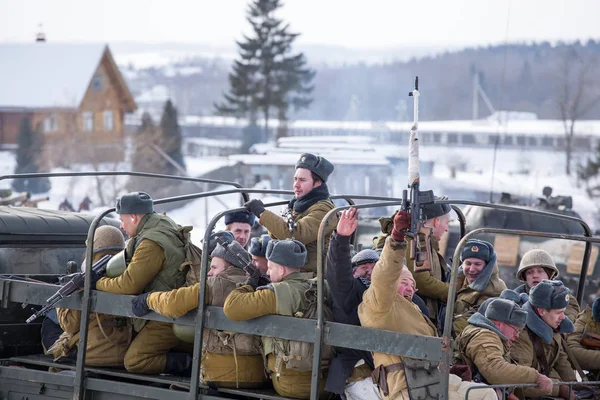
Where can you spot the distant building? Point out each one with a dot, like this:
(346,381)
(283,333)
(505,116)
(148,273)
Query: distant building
(74,94)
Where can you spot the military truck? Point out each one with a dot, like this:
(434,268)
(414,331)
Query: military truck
(568,255)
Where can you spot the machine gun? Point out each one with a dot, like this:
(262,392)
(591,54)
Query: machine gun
(289,218)
(419,247)
(249,268)
(70,284)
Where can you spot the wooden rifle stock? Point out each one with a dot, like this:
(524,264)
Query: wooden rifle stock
(590,339)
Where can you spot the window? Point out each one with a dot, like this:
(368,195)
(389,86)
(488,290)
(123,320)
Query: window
(468,139)
(97,83)
(109,122)
(88,121)
(547,141)
(521,140)
(50,123)
(452,138)
(508,140)
(532,141)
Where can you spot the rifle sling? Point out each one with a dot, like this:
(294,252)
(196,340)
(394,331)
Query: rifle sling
(572,358)
(539,352)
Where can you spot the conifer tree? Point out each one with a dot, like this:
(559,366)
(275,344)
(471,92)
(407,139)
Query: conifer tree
(267,78)
(145,158)
(171,137)
(29,154)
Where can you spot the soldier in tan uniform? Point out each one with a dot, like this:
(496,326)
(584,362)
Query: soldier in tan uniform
(289,363)
(484,346)
(587,357)
(258,251)
(155,254)
(477,280)
(307,208)
(229,359)
(537,265)
(108,336)
(539,346)
(387,305)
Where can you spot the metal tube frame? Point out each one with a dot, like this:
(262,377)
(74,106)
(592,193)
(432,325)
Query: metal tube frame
(523,385)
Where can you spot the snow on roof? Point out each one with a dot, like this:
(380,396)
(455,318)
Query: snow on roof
(290,158)
(201,141)
(46,75)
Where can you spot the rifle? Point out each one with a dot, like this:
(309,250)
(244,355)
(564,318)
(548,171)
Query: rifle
(70,284)
(590,339)
(289,218)
(249,268)
(419,248)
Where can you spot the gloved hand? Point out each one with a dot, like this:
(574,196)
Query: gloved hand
(255,206)
(95,278)
(563,391)
(401,224)
(544,383)
(255,278)
(139,306)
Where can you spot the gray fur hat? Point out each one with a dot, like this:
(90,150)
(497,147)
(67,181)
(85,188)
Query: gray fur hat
(234,254)
(475,248)
(506,311)
(519,298)
(549,295)
(320,166)
(135,203)
(258,246)
(365,256)
(435,210)
(288,253)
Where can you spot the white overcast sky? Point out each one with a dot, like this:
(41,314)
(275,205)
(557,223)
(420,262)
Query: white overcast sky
(349,23)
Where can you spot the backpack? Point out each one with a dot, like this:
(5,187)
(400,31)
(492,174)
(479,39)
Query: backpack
(193,257)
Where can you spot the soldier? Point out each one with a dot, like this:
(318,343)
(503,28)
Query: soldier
(289,363)
(477,280)
(433,275)
(230,360)
(306,210)
(586,355)
(387,305)
(485,343)
(537,265)
(258,249)
(155,253)
(540,344)
(240,224)
(108,336)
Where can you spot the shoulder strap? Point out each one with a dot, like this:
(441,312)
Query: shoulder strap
(539,352)
(571,358)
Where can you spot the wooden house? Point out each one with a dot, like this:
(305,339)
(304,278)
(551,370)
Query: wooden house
(73,93)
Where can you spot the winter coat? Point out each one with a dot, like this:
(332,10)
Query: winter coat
(470,296)
(306,230)
(221,364)
(109,337)
(483,348)
(432,284)
(384,308)
(523,351)
(572,310)
(347,293)
(588,358)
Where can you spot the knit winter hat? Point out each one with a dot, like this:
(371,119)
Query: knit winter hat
(506,311)
(245,217)
(258,246)
(233,253)
(135,203)
(364,257)
(288,253)
(549,295)
(320,166)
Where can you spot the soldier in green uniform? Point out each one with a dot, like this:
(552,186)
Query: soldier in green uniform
(154,253)
(289,363)
(307,208)
(587,356)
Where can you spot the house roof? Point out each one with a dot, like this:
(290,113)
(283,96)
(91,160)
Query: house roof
(47,75)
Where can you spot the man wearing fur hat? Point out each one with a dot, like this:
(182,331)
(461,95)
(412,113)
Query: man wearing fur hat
(230,360)
(477,280)
(539,346)
(258,250)
(587,357)
(307,208)
(484,345)
(537,265)
(387,304)
(153,255)
(240,224)
(433,275)
(289,294)
(109,336)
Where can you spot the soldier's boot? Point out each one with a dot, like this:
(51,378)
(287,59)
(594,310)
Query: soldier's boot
(179,364)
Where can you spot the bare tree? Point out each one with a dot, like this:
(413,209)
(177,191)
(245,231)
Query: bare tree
(578,92)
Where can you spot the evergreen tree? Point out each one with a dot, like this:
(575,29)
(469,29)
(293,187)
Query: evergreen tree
(251,135)
(29,154)
(171,135)
(267,79)
(145,158)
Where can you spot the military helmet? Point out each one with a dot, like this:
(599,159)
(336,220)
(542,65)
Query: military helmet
(107,238)
(537,258)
